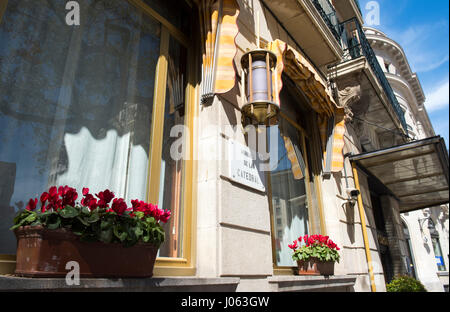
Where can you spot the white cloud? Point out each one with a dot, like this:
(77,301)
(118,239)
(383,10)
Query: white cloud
(438,98)
(425,45)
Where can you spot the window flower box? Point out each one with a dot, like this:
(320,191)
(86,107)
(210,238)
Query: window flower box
(103,236)
(317,256)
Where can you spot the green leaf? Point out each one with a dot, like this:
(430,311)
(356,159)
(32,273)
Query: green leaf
(138,231)
(85,210)
(121,235)
(106,236)
(36,223)
(94,217)
(69,212)
(15,227)
(31,218)
(105,224)
(53,222)
(20,216)
(83,221)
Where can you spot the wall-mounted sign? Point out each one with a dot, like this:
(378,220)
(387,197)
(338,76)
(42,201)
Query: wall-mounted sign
(243,168)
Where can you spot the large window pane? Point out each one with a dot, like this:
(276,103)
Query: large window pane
(170,190)
(289,201)
(75,102)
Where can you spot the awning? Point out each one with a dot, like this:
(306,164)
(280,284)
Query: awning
(416,173)
(332,123)
(218,20)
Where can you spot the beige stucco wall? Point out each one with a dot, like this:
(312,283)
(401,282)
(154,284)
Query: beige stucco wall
(233,236)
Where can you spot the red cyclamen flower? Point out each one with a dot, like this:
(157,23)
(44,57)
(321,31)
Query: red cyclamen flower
(105,198)
(119,206)
(293,246)
(32,203)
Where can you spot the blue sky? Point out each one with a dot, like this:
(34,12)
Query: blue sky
(422,29)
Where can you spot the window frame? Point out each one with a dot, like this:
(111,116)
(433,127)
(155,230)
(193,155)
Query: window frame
(164,266)
(312,223)
(435,241)
(3,6)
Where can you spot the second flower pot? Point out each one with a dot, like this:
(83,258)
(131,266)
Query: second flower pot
(315,267)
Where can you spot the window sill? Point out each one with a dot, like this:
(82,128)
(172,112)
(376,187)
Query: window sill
(312,283)
(157,284)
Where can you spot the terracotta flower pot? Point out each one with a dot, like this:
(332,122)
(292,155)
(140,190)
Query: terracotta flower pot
(315,267)
(307,267)
(325,267)
(45,253)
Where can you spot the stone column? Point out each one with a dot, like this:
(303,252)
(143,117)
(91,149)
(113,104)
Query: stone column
(394,231)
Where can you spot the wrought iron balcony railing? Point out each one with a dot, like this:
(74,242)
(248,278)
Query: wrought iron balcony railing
(328,13)
(355,45)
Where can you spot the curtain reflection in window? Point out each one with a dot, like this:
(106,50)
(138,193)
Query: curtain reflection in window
(172,169)
(75,102)
(288,198)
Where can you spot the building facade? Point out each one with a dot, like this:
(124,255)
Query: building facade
(426,231)
(148,99)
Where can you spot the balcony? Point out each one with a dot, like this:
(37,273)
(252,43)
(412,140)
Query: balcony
(313,24)
(356,45)
(328,13)
(348,9)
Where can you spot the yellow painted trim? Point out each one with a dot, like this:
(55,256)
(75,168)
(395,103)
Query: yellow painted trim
(159,271)
(190,191)
(175,32)
(364,228)
(7,258)
(272,219)
(164,261)
(311,218)
(283,270)
(7,264)
(3,6)
(318,186)
(159,100)
(186,266)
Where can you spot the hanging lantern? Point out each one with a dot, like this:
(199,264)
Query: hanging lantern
(257,89)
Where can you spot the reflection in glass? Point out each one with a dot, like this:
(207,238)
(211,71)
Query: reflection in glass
(75,102)
(178,12)
(438,253)
(171,165)
(289,199)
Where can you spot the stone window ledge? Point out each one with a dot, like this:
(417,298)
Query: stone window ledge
(312,283)
(443,273)
(157,284)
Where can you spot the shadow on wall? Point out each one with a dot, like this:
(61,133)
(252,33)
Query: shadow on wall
(349,209)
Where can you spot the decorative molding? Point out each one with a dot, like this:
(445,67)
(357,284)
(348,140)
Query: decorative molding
(347,97)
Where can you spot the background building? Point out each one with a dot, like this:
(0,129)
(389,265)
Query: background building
(425,250)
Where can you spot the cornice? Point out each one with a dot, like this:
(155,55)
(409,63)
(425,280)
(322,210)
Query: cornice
(381,41)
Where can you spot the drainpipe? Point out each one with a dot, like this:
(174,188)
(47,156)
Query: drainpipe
(364,228)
